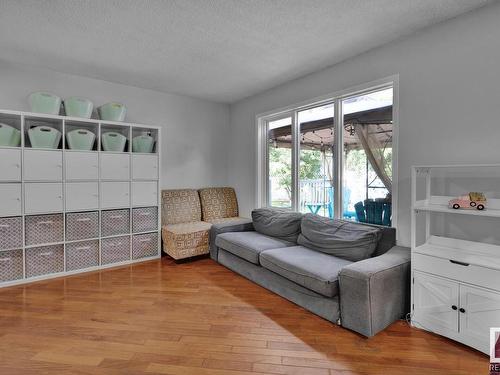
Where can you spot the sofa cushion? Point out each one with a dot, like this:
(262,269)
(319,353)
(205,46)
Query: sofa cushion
(185,240)
(248,245)
(343,239)
(180,206)
(280,223)
(218,203)
(309,268)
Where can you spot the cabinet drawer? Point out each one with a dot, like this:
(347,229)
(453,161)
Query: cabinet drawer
(115,222)
(11,233)
(42,229)
(42,165)
(82,196)
(144,245)
(81,166)
(10,165)
(10,199)
(43,198)
(115,250)
(145,167)
(82,225)
(144,219)
(11,265)
(115,166)
(44,260)
(80,255)
(115,194)
(477,275)
(144,193)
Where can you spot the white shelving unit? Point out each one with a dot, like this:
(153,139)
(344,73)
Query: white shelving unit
(66,211)
(455,282)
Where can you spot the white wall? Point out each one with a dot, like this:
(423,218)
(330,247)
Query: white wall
(449,100)
(194,131)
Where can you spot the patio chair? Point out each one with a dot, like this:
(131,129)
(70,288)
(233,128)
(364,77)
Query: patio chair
(376,211)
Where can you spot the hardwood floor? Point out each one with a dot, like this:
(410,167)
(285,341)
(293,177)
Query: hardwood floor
(197,318)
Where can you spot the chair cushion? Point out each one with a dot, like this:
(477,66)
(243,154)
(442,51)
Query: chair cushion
(228,220)
(185,240)
(275,222)
(248,245)
(218,203)
(343,239)
(309,268)
(180,206)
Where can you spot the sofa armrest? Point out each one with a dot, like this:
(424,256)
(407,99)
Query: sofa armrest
(243,225)
(375,292)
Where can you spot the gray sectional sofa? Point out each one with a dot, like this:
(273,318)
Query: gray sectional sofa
(348,273)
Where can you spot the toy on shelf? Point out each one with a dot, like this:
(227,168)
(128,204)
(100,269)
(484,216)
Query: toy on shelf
(471,201)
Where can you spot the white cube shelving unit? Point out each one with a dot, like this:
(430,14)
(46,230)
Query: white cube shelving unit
(66,211)
(455,282)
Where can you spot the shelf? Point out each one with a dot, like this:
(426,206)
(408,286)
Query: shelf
(440,204)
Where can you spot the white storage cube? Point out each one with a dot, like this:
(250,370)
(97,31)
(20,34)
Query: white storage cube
(42,229)
(144,245)
(42,198)
(10,165)
(10,199)
(82,225)
(82,196)
(115,194)
(81,166)
(11,233)
(145,219)
(115,222)
(144,193)
(115,166)
(115,249)
(145,167)
(11,265)
(44,260)
(43,165)
(80,255)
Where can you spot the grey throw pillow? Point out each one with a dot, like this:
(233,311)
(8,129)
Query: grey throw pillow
(279,223)
(343,239)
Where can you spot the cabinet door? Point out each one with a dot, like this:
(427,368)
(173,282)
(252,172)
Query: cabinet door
(10,199)
(479,310)
(42,198)
(82,196)
(435,303)
(144,194)
(145,167)
(115,194)
(10,165)
(115,166)
(81,166)
(42,165)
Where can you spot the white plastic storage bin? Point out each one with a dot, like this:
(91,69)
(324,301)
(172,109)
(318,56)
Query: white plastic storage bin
(11,233)
(145,167)
(144,193)
(144,245)
(42,165)
(115,194)
(114,250)
(81,166)
(44,260)
(144,219)
(82,196)
(43,229)
(10,165)
(10,199)
(80,255)
(82,225)
(115,222)
(11,265)
(115,167)
(43,197)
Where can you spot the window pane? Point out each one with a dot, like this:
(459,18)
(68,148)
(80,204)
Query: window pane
(368,157)
(316,160)
(279,143)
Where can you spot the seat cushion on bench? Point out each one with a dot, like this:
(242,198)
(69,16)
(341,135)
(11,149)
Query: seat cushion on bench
(248,245)
(185,240)
(309,268)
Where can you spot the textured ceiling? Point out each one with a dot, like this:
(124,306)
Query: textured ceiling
(222,50)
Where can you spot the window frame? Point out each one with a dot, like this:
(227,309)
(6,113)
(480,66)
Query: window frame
(262,120)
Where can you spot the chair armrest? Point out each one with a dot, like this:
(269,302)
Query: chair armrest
(243,225)
(375,292)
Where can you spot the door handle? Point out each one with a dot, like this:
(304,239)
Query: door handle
(454,307)
(462,310)
(459,263)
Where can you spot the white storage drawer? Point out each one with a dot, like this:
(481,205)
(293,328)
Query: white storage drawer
(115,222)
(41,165)
(41,229)
(82,225)
(80,255)
(468,273)
(44,260)
(115,166)
(11,265)
(10,199)
(115,249)
(144,245)
(115,194)
(43,198)
(11,233)
(145,167)
(10,165)
(82,196)
(81,166)
(144,193)
(145,219)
